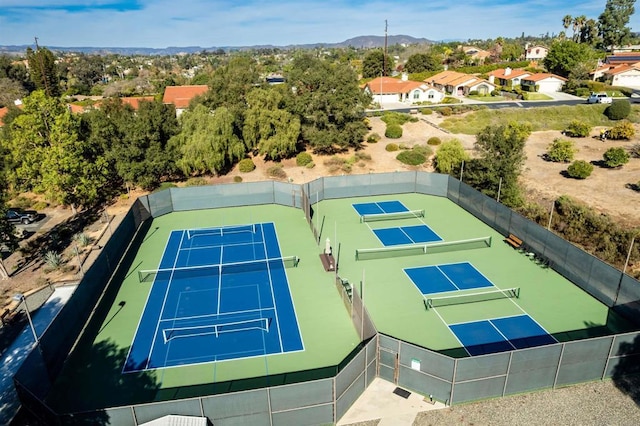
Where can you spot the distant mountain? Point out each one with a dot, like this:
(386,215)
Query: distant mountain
(359,42)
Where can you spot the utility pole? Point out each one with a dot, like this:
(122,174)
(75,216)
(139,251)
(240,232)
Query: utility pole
(384,54)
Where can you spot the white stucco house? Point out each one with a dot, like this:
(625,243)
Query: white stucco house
(387,90)
(535,53)
(543,83)
(626,75)
(508,77)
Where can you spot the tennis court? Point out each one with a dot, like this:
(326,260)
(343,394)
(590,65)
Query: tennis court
(219,294)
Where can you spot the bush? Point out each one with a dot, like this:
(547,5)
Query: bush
(434,141)
(445,111)
(391,147)
(426,111)
(362,156)
(246,165)
(52,259)
(373,138)
(277,172)
(196,181)
(473,93)
(165,185)
(82,239)
(619,109)
(622,130)
(577,129)
(561,151)
(614,157)
(423,149)
(303,159)
(412,158)
(311,165)
(580,169)
(393,131)
(396,118)
(237,179)
(634,150)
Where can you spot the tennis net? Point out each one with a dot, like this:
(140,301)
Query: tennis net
(414,249)
(216,329)
(434,302)
(409,214)
(220,231)
(149,275)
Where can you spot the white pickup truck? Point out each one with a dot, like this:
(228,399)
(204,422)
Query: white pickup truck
(599,98)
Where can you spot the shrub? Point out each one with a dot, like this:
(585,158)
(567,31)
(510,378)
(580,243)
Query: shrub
(403,146)
(393,131)
(165,185)
(396,118)
(473,93)
(561,151)
(450,156)
(391,147)
(634,150)
(426,111)
(580,169)
(412,158)
(362,156)
(434,140)
(246,165)
(237,179)
(622,130)
(303,159)
(373,138)
(52,259)
(82,239)
(615,156)
(577,129)
(196,181)
(619,109)
(423,149)
(445,111)
(311,165)
(277,172)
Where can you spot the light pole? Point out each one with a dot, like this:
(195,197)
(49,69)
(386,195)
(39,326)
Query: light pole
(20,298)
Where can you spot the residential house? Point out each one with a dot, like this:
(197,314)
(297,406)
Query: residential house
(385,90)
(507,77)
(535,53)
(543,83)
(460,84)
(475,53)
(134,101)
(623,58)
(180,96)
(3,112)
(626,75)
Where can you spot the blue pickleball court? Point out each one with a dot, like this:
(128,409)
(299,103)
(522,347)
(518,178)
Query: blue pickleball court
(447,277)
(501,334)
(381,207)
(219,294)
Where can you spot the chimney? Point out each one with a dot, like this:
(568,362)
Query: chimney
(492,78)
(507,71)
(405,76)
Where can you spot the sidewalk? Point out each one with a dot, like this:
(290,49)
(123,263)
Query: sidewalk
(13,357)
(379,402)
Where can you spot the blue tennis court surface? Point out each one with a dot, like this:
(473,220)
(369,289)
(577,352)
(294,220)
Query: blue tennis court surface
(406,235)
(501,334)
(380,207)
(448,277)
(219,294)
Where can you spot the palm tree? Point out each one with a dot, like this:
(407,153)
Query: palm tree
(567,21)
(578,23)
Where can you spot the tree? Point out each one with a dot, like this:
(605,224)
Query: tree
(86,70)
(449,157)
(501,150)
(49,156)
(578,24)
(328,102)
(567,21)
(372,65)
(207,142)
(589,33)
(561,151)
(269,128)
(43,72)
(421,62)
(613,22)
(10,91)
(565,55)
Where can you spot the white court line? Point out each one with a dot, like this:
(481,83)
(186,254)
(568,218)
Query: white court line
(273,300)
(451,331)
(217,316)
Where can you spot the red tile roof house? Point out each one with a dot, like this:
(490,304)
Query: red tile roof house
(180,96)
(507,77)
(134,101)
(460,84)
(543,83)
(387,90)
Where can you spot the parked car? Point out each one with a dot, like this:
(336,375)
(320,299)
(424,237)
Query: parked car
(599,98)
(24,217)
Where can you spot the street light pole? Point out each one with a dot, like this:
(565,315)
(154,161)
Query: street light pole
(20,298)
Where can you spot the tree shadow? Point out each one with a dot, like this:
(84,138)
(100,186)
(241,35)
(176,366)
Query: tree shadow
(626,373)
(633,186)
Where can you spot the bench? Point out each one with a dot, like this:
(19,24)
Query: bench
(514,241)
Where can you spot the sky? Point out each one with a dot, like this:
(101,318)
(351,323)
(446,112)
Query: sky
(229,23)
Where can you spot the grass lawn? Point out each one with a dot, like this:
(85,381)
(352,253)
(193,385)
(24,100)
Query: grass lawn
(487,98)
(538,97)
(549,118)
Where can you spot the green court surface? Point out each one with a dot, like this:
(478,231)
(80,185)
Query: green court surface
(328,335)
(397,307)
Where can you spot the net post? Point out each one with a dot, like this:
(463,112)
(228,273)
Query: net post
(490,240)
(517,292)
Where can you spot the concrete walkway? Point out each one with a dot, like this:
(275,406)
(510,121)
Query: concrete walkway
(13,357)
(379,402)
